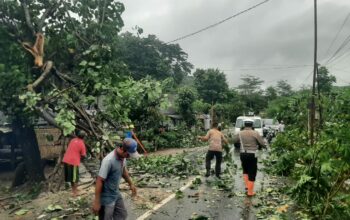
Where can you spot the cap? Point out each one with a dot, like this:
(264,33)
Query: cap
(131,147)
(81,134)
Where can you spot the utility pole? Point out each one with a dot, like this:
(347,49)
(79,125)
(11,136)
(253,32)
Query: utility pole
(313,105)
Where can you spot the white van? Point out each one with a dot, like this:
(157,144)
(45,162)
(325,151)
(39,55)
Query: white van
(258,124)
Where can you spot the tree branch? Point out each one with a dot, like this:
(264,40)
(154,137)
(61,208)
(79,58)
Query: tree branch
(47,70)
(27,16)
(37,50)
(47,12)
(103,13)
(47,116)
(83,114)
(64,77)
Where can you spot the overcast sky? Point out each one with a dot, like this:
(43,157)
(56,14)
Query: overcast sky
(274,41)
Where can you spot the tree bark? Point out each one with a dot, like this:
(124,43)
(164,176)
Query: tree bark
(26,140)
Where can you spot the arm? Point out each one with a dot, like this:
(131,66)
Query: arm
(206,137)
(97,201)
(83,149)
(260,140)
(129,181)
(224,138)
(236,139)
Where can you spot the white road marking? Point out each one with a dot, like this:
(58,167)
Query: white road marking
(163,202)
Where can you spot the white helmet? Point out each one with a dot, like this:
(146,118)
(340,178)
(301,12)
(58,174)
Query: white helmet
(248,122)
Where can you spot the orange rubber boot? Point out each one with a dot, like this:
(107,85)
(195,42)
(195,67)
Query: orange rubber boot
(250,188)
(245,178)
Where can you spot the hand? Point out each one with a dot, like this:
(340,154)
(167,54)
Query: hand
(133,190)
(199,137)
(96,207)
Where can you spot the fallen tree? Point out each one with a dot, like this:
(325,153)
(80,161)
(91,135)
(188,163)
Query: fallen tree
(78,83)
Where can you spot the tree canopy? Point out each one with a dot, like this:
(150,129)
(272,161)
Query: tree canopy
(211,84)
(150,56)
(284,88)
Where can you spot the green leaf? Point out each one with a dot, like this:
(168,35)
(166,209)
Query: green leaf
(53,208)
(21,212)
(105,137)
(179,194)
(326,167)
(83,63)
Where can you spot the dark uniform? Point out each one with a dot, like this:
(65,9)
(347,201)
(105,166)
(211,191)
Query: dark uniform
(250,141)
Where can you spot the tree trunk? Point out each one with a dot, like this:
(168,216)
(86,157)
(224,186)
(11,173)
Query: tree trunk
(26,140)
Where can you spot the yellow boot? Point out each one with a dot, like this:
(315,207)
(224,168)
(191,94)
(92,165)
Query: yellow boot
(250,188)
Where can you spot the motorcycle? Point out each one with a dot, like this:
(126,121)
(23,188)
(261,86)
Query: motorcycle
(271,133)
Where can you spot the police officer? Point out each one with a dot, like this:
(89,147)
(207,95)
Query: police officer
(250,141)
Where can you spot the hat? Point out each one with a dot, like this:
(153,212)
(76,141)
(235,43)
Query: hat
(248,121)
(131,147)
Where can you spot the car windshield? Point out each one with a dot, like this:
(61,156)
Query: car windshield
(257,123)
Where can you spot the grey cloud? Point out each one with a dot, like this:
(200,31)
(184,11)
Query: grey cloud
(278,33)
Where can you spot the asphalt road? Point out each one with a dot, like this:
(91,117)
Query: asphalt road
(207,201)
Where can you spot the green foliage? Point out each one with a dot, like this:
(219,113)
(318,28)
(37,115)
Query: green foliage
(149,56)
(270,93)
(66,120)
(178,165)
(251,84)
(11,84)
(179,194)
(325,80)
(201,107)
(137,101)
(180,137)
(292,110)
(283,88)
(319,171)
(228,112)
(30,99)
(211,85)
(185,100)
(95,60)
(251,93)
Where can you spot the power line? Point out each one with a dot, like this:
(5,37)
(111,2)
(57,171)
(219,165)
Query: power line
(345,42)
(339,58)
(217,23)
(267,68)
(336,36)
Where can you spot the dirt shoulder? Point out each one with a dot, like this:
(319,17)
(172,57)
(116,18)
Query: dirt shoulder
(62,205)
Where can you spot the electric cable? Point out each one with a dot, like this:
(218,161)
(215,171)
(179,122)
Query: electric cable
(345,42)
(336,36)
(217,23)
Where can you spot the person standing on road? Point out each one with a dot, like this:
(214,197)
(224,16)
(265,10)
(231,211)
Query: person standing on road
(108,203)
(71,160)
(215,138)
(250,141)
(281,127)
